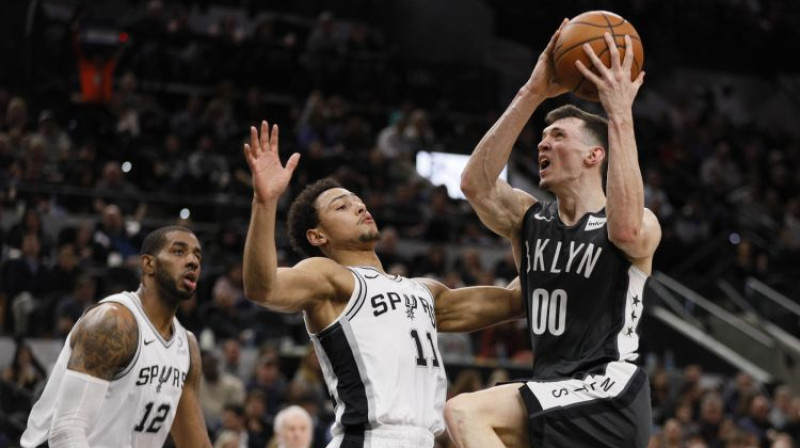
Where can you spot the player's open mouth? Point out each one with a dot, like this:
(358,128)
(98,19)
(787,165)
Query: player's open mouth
(544,163)
(190,280)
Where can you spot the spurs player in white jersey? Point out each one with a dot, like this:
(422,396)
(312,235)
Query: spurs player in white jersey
(375,334)
(129,373)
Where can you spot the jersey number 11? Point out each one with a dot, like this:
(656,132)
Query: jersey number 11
(421,361)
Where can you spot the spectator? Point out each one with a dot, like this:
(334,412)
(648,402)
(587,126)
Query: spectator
(308,381)
(781,409)
(217,390)
(756,422)
(257,422)
(71,307)
(269,379)
(66,270)
(26,285)
(113,244)
(232,358)
(293,428)
(25,371)
(114,184)
(19,383)
(233,423)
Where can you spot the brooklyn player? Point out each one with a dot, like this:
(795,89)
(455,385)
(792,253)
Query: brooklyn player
(583,260)
(130,372)
(375,334)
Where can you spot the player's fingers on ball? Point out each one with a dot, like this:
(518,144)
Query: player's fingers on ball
(588,74)
(628,62)
(639,80)
(595,60)
(613,51)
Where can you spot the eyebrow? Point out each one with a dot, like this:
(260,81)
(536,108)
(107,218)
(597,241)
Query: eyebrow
(343,195)
(551,129)
(183,245)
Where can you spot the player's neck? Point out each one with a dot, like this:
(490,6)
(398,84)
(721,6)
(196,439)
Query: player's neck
(160,312)
(357,258)
(576,202)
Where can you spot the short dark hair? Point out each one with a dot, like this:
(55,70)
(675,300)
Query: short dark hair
(595,124)
(155,240)
(303,215)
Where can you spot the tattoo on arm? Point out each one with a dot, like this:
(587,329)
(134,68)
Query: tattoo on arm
(104,342)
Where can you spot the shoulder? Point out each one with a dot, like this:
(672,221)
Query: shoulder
(325,267)
(104,341)
(320,263)
(107,316)
(434,286)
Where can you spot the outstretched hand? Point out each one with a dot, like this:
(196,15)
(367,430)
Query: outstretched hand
(615,88)
(270,177)
(543,78)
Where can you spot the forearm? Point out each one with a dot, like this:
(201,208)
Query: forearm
(625,190)
(493,151)
(76,410)
(474,308)
(260,253)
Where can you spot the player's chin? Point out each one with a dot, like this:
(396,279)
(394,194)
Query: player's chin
(369,236)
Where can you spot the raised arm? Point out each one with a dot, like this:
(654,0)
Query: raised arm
(473,308)
(189,427)
(631,227)
(104,342)
(287,289)
(498,205)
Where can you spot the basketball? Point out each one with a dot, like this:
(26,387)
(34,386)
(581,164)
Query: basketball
(589,27)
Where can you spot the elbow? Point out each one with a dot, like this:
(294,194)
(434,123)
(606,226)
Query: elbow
(257,293)
(470,187)
(623,235)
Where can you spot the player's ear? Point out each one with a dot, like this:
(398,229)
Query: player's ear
(316,237)
(596,155)
(148,263)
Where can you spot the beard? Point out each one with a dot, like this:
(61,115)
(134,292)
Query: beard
(169,288)
(369,237)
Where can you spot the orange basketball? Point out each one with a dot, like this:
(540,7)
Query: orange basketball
(589,27)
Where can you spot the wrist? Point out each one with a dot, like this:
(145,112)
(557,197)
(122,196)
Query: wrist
(620,118)
(531,92)
(262,202)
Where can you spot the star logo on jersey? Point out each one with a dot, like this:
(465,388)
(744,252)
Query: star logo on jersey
(633,315)
(636,300)
(629,331)
(541,217)
(594,223)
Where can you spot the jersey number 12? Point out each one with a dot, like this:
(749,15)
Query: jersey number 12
(548,311)
(158,418)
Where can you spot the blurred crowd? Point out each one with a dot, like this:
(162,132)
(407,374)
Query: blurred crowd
(143,126)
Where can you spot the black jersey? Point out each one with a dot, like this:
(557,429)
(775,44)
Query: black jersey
(582,295)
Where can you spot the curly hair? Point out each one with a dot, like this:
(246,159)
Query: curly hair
(303,215)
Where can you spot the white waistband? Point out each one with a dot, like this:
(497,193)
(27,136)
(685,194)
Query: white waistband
(392,436)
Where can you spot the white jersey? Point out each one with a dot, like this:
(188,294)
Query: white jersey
(382,364)
(141,400)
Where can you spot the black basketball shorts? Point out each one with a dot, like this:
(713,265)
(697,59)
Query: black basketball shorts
(608,409)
